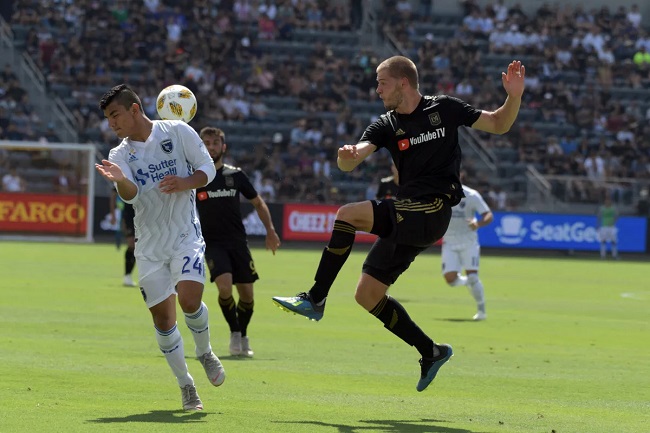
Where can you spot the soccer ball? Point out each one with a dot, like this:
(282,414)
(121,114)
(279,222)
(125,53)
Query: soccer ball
(176,102)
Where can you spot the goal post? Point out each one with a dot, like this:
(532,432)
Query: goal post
(47,191)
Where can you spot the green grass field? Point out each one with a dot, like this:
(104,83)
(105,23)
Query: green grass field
(566,348)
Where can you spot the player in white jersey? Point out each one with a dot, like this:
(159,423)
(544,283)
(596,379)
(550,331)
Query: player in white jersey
(156,168)
(461,249)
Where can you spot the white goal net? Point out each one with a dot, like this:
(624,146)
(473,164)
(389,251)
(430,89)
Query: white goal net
(46,191)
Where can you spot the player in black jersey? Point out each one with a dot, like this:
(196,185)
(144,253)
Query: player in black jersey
(389,185)
(127,228)
(227,253)
(420,132)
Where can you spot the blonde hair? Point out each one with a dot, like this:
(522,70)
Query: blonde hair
(401,67)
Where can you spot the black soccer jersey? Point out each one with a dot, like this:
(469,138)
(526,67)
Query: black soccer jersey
(218,206)
(424,146)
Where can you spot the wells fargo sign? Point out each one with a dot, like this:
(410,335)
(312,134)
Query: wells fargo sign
(41,213)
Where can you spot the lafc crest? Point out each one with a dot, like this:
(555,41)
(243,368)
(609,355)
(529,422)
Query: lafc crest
(434,118)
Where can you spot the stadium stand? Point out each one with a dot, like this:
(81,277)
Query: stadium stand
(290,81)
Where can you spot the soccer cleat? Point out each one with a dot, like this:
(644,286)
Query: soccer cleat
(213,368)
(191,400)
(246,348)
(235,343)
(481,315)
(430,367)
(128,281)
(301,304)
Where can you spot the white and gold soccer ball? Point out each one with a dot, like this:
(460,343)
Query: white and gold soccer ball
(176,102)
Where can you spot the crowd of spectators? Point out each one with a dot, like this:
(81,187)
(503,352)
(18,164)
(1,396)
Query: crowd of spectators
(584,112)
(574,120)
(18,119)
(88,46)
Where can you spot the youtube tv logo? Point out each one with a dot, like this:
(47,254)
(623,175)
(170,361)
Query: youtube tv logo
(403,144)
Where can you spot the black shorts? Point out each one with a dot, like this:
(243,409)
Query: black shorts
(128,226)
(406,228)
(235,260)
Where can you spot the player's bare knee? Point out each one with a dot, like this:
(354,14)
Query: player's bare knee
(245,292)
(455,279)
(346,213)
(163,320)
(225,291)
(189,304)
(358,214)
(368,298)
(450,277)
(362,298)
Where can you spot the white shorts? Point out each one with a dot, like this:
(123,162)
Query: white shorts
(607,234)
(455,258)
(158,279)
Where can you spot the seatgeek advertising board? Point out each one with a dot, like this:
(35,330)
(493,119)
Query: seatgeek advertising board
(559,232)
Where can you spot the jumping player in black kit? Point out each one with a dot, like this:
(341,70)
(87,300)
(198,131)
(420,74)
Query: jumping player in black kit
(227,253)
(421,134)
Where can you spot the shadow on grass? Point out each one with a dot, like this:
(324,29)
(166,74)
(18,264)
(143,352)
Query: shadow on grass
(158,416)
(455,319)
(226,357)
(415,426)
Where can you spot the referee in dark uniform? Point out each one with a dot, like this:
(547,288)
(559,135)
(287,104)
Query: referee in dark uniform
(420,132)
(227,253)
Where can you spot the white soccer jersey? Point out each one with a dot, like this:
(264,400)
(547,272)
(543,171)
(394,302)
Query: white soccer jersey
(458,231)
(164,223)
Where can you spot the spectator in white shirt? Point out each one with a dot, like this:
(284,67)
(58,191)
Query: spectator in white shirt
(594,166)
(498,39)
(500,11)
(13,182)
(464,88)
(634,16)
(594,40)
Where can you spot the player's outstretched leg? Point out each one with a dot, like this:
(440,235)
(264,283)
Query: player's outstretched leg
(301,304)
(430,366)
(312,304)
(395,318)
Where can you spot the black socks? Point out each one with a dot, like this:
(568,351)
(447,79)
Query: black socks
(396,320)
(229,310)
(129,261)
(333,258)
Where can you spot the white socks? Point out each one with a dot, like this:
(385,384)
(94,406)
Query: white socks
(197,322)
(460,280)
(475,287)
(171,345)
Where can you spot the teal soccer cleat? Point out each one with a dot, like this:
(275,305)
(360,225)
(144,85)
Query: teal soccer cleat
(301,304)
(430,367)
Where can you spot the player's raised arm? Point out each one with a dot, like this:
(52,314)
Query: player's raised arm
(113,173)
(351,155)
(500,120)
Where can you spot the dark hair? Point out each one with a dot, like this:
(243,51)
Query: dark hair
(123,95)
(401,67)
(216,132)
